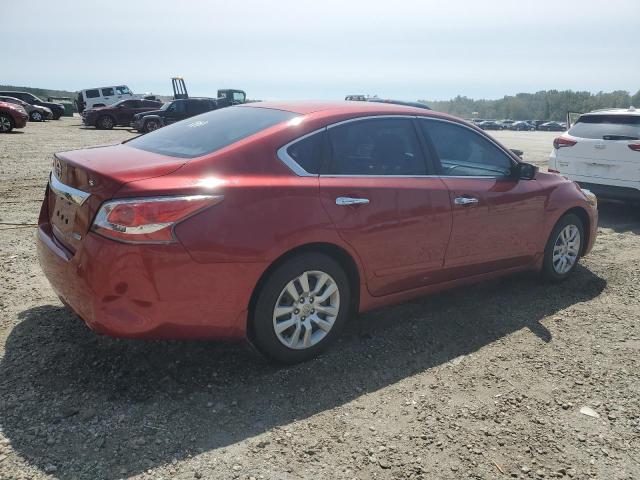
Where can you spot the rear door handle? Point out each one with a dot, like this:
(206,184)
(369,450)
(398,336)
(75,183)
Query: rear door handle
(346,201)
(465,200)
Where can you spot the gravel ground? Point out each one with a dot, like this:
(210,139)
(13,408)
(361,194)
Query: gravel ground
(481,382)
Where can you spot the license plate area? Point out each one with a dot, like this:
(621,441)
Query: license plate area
(63,216)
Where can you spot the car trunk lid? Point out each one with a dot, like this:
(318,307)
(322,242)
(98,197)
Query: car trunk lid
(82,180)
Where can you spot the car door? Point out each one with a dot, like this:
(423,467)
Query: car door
(176,112)
(125,113)
(108,95)
(377,189)
(496,216)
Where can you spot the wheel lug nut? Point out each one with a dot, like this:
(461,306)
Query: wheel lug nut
(313,310)
(296,311)
(301,300)
(303,317)
(311,300)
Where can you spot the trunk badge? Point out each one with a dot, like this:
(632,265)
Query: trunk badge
(92,182)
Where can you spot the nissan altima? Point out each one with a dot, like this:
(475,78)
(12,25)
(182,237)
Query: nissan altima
(276,222)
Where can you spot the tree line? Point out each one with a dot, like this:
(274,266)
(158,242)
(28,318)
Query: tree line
(543,105)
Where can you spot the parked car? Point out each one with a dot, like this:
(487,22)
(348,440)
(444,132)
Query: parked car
(56,108)
(601,152)
(552,127)
(277,221)
(101,97)
(490,125)
(120,113)
(172,112)
(36,112)
(522,126)
(12,116)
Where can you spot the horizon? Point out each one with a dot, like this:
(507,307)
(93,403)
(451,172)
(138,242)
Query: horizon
(416,50)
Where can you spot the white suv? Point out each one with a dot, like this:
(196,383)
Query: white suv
(601,152)
(101,97)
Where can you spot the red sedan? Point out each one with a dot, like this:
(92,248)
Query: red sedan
(277,221)
(12,116)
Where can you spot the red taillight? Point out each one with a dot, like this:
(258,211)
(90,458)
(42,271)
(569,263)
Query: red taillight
(148,220)
(635,147)
(561,142)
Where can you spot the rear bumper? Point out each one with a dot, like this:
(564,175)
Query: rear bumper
(612,192)
(147,291)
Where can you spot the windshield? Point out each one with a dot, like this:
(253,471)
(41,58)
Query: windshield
(166,105)
(607,127)
(210,131)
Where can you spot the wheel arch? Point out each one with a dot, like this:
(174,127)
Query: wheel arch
(339,254)
(582,214)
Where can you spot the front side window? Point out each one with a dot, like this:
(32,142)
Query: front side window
(92,93)
(607,127)
(123,90)
(209,132)
(463,152)
(107,92)
(238,97)
(384,146)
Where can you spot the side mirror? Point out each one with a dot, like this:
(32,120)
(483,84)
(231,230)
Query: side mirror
(526,171)
(519,153)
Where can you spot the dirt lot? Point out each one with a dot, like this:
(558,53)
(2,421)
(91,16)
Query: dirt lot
(483,382)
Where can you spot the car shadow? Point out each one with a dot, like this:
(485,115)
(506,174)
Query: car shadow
(619,216)
(96,407)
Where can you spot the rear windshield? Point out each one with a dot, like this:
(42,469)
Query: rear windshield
(608,127)
(210,131)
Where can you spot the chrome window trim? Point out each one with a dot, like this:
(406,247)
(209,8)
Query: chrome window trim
(285,158)
(72,194)
(294,166)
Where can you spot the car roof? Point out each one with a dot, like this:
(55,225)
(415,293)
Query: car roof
(615,111)
(346,107)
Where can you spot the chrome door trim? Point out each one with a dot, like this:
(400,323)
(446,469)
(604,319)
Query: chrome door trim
(72,194)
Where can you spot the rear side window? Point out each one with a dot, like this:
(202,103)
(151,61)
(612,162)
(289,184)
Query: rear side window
(92,93)
(107,92)
(151,103)
(309,152)
(386,146)
(209,132)
(607,127)
(463,152)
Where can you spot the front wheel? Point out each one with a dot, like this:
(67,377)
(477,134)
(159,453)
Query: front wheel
(151,125)
(105,122)
(563,248)
(300,308)
(36,116)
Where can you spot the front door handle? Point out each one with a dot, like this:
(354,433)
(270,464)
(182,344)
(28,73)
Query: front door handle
(465,200)
(345,201)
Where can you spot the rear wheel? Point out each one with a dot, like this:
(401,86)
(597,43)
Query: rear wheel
(300,308)
(105,122)
(6,123)
(563,248)
(36,116)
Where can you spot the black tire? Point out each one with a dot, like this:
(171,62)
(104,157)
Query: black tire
(261,324)
(549,272)
(151,125)
(105,122)
(6,123)
(36,116)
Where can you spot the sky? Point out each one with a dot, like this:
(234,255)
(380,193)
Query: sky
(324,49)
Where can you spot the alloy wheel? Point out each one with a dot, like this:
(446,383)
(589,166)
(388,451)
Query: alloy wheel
(306,310)
(5,124)
(566,249)
(36,116)
(106,122)
(151,125)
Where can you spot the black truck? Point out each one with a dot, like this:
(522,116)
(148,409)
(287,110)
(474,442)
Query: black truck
(182,108)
